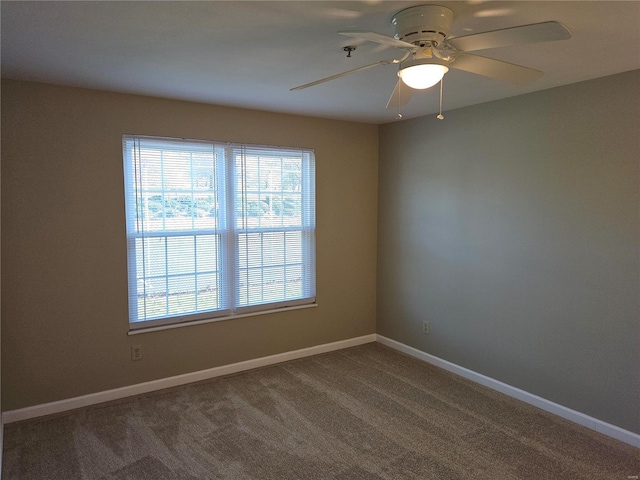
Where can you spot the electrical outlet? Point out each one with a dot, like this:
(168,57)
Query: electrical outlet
(136,352)
(426,327)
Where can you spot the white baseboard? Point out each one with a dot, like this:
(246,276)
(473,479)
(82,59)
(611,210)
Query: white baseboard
(118,393)
(543,404)
(123,392)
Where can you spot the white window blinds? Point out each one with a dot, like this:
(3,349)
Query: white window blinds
(216,229)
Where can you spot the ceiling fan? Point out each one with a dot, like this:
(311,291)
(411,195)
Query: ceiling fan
(423,33)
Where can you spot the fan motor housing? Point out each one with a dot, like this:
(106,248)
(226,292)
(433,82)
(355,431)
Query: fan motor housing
(424,56)
(423,25)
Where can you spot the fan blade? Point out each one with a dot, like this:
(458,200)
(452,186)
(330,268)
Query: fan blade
(379,38)
(400,96)
(536,32)
(497,69)
(348,72)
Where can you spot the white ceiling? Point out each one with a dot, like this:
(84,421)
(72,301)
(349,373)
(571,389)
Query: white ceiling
(249,54)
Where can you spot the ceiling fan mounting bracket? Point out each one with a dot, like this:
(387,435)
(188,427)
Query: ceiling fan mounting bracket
(423,25)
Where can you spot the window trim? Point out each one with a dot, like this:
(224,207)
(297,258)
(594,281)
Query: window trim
(227,231)
(170,326)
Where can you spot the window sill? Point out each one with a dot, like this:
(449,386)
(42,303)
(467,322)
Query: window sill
(218,319)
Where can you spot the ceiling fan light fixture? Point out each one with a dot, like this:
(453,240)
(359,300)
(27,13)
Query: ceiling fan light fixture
(422,76)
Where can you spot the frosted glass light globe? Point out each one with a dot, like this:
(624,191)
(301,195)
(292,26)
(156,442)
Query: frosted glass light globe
(422,76)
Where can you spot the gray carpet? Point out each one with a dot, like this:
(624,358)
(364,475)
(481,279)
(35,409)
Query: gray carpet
(363,413)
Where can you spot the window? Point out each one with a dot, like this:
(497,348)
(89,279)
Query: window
(216,229)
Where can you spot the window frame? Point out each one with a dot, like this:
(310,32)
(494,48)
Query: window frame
(226,230)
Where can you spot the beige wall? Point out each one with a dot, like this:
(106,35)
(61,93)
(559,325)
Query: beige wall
(64,273)
(512,227)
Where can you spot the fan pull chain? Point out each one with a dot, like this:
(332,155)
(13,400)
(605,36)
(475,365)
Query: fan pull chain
(399,115)
(440,116)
